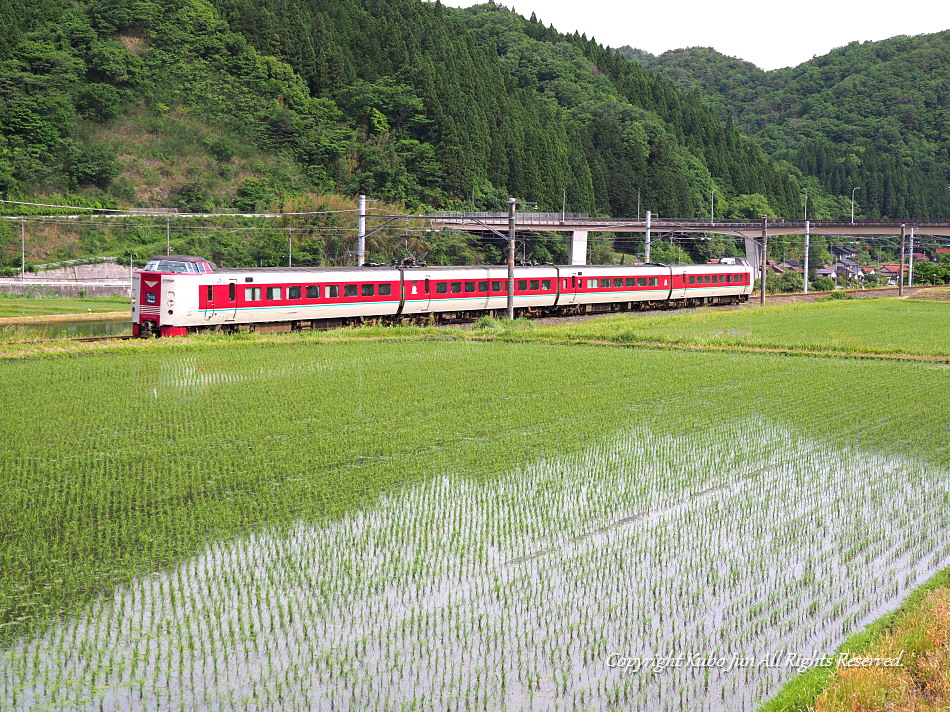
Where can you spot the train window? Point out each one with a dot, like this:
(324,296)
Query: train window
(692,280)
(209,293)
(252,294)
(728,279)
(456,287)
(592,284)
(566,283)
(535,284)
(232,288)
(470,286)
(605,283)
(631,282)
(275,293)
(546,284)
(641,281)
(483,286)
(441,287)
(293,292)
(654,281)
(385,290)
(313,292)
(522,285)
(368,290)
(707,280)
(350,290)
(618,282)
(497,286)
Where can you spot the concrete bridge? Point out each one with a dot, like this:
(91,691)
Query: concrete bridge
(752,230)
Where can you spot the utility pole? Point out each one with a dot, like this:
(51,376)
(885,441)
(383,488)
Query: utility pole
(807,248)
(361,234)
(22,250)
(563,204)
(168,236)
(646,257)
(638,203)
(765,247)
(290,249)
(910,267)
(900,270)
(512,207)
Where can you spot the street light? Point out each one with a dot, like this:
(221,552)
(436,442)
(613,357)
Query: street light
(852,205)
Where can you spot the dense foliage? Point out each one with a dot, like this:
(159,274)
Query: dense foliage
(872,115)
(401,100)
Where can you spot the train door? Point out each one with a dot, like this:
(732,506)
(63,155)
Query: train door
(231,308)
(570,286)
(428,285)
(210,299)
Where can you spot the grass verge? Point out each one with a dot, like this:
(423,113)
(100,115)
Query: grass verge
(920,627)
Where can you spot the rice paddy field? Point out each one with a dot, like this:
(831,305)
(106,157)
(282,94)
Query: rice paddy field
(18,305)
(290,524)
(875,325)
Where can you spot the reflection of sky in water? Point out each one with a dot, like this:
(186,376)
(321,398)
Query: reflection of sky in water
(745,540)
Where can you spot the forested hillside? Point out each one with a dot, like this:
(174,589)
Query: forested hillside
(872,115)
(230,103)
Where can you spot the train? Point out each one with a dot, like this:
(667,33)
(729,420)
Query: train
(175,295)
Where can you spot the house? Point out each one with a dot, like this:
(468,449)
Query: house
(847,268)
(826,271)
(839,252)
(940,252)
(868,269)
(891,272)
(919,257)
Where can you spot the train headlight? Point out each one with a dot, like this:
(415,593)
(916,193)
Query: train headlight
(171,302)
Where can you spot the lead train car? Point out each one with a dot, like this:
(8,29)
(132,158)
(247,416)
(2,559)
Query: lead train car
(176,294)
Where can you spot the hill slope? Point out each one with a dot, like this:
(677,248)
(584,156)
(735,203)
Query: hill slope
(874,115)
(202,104)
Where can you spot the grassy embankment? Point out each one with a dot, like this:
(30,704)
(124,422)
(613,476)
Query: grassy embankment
(881,328)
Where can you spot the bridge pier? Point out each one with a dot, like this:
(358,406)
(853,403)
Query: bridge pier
(577,250)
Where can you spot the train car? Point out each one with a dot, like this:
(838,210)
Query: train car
(178,294)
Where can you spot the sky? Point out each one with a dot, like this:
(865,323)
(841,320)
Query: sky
(768,34)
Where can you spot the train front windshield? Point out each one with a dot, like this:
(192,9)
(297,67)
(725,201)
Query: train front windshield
(170,266)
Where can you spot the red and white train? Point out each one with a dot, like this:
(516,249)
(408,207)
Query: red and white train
(176,295)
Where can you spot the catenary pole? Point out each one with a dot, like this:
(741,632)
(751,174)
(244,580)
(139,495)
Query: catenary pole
(807,248)
(910,256)
(512,208)
(900,269)
(22,250)
(765,247)
(646,256)
(361,233)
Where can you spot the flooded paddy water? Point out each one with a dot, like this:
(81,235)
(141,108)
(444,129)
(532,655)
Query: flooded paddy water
(615,578)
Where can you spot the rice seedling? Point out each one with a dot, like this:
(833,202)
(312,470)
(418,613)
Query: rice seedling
(305,527)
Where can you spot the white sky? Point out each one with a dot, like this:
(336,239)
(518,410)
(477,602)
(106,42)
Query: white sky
(768,34)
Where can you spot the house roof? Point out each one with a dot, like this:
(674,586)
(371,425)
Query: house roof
(867,269)
(840,250)
(847,262)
